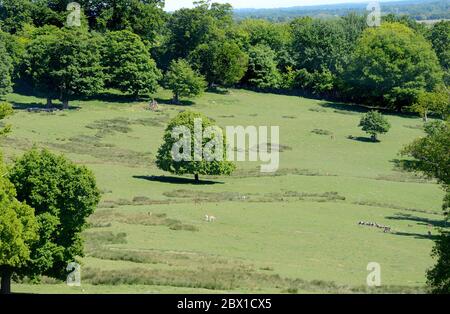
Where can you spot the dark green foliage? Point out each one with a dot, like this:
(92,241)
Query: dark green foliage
(374,123)
(439,276)
(14,14)
(431,157)
(5,110)
(220,62)
(439,35)
(262,68)
(5,71)
(18,231)
(63,195)
(391,64)
(183,81)
(128,64)
(431,154)
(65,63)
(166,162)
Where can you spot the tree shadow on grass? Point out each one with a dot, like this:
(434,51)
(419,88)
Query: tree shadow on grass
(348,108)
(417,235)
(218,90)
(362,139)
(176,180)
(170,102)
(40,106)
(420,220)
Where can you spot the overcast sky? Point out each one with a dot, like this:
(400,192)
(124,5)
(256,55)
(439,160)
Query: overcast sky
(172,5)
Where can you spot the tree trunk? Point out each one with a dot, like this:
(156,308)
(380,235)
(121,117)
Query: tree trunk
(374,137)
(49,103)
(176,99)
(425,117)
(197,179)
(65,103)
(6,282)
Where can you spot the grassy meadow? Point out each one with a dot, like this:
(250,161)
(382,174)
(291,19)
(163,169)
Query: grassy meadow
(294,231)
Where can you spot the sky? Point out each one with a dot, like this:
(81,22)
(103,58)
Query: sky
(172,5)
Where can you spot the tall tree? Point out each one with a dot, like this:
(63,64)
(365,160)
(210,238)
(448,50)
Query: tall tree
(220,62)
(128,64)
(390,65)
(262,68)
(63,195)
(5,71)
(431,157)
(18,231)
(183,81)
(64,63)
(439,35)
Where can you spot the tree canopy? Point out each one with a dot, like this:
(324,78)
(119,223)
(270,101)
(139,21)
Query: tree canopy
(63,195)
(166,161)
(391,64)
(183,81)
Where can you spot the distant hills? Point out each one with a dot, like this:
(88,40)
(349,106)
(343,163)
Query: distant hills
(417,9)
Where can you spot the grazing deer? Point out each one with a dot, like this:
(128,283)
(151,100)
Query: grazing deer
(210,218)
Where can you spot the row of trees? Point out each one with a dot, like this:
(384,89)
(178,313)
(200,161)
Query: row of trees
(129,44)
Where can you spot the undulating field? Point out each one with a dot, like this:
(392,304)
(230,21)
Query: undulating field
(293,231)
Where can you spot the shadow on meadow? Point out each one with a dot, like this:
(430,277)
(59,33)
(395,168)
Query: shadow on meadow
(176,180)
(40,106)
(437,223)
(170,102)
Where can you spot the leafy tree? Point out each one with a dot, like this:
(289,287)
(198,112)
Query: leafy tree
(262,68)
(439,36)
(374,123)
(5,71)
(128,64)
(63,195)
(390,65)
(220,62)
(64,63)
(18,231)
(437,102)
(166,161)
(14,14)
(189,28)
(5,110)
(319,44)
(431,156)
(143,17)
(183,81)
(317,82)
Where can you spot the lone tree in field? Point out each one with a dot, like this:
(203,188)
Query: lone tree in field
(183,81)
(167,161)
(431,156)
(64,63)
(63,195)
(374,123)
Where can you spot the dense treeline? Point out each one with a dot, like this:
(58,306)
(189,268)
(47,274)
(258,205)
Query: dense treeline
(130,44)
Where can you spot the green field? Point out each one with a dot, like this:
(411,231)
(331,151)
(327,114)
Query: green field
(293,231)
